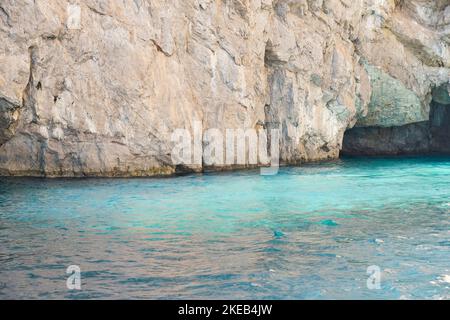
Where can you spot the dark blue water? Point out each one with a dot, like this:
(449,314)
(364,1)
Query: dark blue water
(307,233)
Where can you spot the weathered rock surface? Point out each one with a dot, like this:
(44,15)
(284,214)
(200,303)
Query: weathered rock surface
(392,104)
(101,95)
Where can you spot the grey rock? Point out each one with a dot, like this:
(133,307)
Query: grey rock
(392,104)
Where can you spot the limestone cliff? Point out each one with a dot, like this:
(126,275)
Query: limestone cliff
(96,87)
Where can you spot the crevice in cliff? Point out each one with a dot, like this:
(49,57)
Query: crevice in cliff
(10,112)
(160,49)
(272,56)
(440,128)
(427,137)
(275,82)
(28,99)
(5,15)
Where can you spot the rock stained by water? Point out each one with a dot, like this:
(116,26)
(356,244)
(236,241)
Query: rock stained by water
(102,95)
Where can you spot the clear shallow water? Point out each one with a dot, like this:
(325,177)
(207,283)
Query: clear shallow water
(307,233)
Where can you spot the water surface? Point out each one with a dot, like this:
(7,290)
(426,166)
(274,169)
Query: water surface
(307,233)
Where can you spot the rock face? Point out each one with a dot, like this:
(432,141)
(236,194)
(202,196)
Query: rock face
(95,88)
(408,139)
(427,137)
(392,104)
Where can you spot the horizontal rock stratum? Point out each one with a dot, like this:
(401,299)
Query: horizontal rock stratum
(95,87)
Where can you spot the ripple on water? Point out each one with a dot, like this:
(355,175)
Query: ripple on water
(308,233)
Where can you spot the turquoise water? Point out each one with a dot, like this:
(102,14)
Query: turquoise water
(307,233)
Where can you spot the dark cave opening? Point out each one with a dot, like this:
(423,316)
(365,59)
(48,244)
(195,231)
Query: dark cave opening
(423,138)
(440,128)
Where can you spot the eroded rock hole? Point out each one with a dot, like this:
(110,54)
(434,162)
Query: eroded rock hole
(428,137)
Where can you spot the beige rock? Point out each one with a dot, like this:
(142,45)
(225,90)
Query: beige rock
(102,95)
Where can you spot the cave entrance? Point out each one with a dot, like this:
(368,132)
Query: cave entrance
(440,128)
(428,137)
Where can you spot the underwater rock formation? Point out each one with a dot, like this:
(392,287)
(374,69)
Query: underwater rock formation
(95,88)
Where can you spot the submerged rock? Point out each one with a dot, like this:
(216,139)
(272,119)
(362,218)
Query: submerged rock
(329,223)
(278,234)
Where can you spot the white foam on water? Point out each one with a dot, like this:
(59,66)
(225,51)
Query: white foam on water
(445,278)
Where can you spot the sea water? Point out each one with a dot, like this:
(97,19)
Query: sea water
(312,232)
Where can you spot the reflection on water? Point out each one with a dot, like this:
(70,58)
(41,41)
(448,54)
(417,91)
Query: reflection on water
(307,233)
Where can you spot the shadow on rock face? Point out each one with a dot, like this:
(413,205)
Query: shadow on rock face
(427,137)
(9,113)
(440,128)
